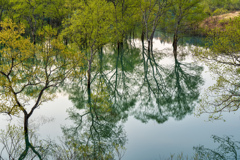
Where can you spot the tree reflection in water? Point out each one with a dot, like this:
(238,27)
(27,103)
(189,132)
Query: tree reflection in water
(174,90)
(228,149)
(184,82)
(125,81)
(97,132)
(224,95)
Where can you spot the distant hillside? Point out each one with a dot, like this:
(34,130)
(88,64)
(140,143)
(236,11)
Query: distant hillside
(218,21)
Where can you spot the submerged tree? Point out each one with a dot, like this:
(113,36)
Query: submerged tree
(31,73)
(184,15)
(152,12)
(124,18)
(89,29)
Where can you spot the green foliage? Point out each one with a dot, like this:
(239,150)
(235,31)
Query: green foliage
(184,15)
(124,18)
(32,73)
(28,70)
(89,26)
(226,5)
(152,12)
(4,6)
(226,42)
(223,60)
(100,99)
(219,11)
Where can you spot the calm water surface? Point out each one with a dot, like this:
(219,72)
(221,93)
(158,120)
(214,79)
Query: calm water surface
(153,101)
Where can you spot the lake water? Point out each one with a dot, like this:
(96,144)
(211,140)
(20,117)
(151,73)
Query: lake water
(149,104)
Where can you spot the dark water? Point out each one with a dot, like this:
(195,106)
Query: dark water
(141,106)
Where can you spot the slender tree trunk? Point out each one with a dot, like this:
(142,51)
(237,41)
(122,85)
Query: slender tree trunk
(89,69)
(143,45)
(151,38)
(149,45)
(133,33)
(27,142)
(120,45)
(101,59)
(33,30)
(142,36)
(89,73)
(1,16)
(175,43)
(25,127)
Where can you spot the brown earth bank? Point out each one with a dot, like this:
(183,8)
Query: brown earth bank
(219,21)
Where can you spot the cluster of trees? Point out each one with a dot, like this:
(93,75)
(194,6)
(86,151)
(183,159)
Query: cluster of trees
(215,7)
(43,43)
(91,24)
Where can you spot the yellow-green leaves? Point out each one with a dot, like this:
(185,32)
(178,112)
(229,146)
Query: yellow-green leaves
(31,72)
(89,26)
(226,41)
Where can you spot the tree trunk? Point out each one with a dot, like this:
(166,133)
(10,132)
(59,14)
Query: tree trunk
(89,69)
(149,45)
(142,36)
(89,73)
(133,33)
(25,127)
(120,45)
(151,38)
(27,142)
(175,42)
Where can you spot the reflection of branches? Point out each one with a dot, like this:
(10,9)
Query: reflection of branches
(13,140)
(228,149)
(174,91)
(96,131)
(98,125)
(11,143)
(184,82)
(222,58)
(224,95)
(155,87)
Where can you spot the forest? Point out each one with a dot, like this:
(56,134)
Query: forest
(52,46)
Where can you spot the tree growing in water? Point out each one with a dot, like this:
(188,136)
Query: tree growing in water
(31,73)
(89,29)
(184,14)
(152,12)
